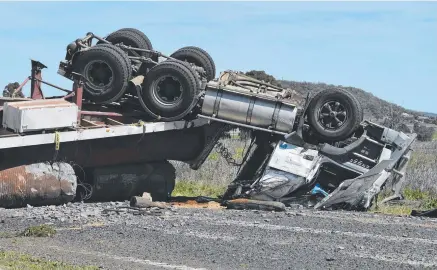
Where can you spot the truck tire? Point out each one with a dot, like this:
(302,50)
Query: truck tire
(106,70)
(161,181)
(131,37)
(190,67)
(169,90)
(197,56)
(334,114)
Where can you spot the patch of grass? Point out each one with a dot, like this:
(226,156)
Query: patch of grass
(214,156)
(238,153)
(6,235)
(421,159)
(235,136)
(423,200)
(192,189)
(400,210)
(434,136)
(39,231)
(11,261)
(428,199)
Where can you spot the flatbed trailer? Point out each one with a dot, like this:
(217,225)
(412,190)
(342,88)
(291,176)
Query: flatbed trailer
(117,153)
(112,143)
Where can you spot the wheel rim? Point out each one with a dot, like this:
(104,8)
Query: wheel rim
(332,115)
(167,90)
(99,74)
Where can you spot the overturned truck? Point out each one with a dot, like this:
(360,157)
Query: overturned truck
(132,109)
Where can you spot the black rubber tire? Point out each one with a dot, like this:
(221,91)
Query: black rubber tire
(195,74)
(186,77)
(199,57)
(131,37)
(161,181)
(351,106)
(117,60)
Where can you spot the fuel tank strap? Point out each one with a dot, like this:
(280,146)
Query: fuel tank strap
(250,110)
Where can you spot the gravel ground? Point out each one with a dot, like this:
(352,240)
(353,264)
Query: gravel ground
(196,238)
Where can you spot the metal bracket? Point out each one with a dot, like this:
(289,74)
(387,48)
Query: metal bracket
(35,80)
(296,137)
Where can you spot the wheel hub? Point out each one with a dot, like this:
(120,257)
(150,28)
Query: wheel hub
(99,73)
(332,115)
(167,89)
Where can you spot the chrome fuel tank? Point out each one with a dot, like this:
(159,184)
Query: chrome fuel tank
(245,107)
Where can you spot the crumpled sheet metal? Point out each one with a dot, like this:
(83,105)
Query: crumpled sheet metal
(37,184)
(357,193)
(275,184)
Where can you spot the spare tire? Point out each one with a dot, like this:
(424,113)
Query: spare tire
(198,57)
(169,90)
(334,114)
(106,70)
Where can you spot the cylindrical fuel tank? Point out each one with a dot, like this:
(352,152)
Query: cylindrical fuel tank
(245,107)
(37,184)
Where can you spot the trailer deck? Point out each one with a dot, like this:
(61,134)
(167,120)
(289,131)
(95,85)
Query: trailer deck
(12,140)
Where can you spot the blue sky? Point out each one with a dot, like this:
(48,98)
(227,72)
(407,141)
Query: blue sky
(386,48)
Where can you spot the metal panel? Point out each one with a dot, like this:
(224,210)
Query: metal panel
(37,115)
(107,151)
(250,109)
(96,133)
(292,159)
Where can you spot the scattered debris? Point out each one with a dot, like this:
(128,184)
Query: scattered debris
(428,213)
(241,204)
(142,202)
(195,204)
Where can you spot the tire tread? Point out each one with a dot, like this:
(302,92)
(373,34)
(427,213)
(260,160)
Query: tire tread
(200,55)
(118,56)
(351,127)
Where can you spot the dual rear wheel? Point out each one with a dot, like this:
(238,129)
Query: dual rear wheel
(169,88)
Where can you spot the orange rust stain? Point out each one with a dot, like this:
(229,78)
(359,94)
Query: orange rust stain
(194,204)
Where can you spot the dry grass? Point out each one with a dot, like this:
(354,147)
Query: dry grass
(215,171)
(193,189)
(397,210)
(14,261)
(39,231)
(421,174)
